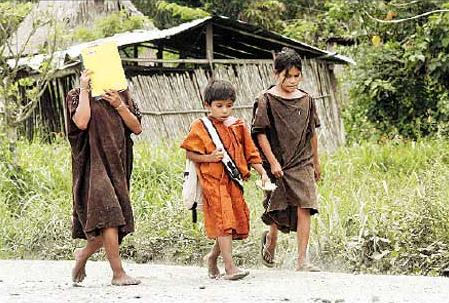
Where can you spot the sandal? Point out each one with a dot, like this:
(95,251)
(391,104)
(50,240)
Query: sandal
(267,258)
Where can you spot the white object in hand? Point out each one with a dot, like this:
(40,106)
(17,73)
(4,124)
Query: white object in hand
(268,185)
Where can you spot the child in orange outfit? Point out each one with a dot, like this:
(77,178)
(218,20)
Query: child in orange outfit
(226,215)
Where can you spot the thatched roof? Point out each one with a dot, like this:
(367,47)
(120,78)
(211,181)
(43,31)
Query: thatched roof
(73,13)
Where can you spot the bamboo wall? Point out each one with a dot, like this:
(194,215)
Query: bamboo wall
(48,119)
(169,103)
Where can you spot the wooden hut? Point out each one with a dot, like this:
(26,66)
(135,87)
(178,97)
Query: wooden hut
(168,86)
(27,43)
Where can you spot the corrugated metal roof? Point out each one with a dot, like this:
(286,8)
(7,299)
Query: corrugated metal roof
(137,37)
(72,54)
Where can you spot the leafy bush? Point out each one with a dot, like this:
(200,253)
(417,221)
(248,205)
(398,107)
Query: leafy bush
(11,14)
(116,22)
(171,14)
(400,88)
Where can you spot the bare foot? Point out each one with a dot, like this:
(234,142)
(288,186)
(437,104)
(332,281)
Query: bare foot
(211,262)
(125,280)
(237,274)
(79,270)
(303,265)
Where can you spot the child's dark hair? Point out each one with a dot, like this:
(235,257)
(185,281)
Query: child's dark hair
(286,59)
(219,90)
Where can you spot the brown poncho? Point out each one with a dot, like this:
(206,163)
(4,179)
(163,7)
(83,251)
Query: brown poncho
(289,125)
(101,169)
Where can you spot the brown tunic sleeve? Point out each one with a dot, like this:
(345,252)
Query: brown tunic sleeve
(132,105)
(134,108)
(78,138)
(72,101)
(314,119)
(261,121)
(252,155)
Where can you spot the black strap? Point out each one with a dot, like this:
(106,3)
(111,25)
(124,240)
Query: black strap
(194,215)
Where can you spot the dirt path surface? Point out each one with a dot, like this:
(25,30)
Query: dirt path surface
(49,281)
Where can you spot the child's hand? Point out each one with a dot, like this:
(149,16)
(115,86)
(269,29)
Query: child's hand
(85,79)
(264,178)
(216,155)
(113,98)
(276,170)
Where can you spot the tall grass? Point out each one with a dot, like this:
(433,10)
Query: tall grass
(383,209)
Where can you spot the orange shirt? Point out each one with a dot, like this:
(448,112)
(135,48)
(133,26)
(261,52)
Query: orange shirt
(225,210)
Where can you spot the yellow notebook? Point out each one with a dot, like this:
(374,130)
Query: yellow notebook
(105,63)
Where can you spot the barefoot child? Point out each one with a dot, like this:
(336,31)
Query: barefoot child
(284,124)
(99,134)
(226,215)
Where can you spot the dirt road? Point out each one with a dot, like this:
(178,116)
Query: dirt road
(49,281)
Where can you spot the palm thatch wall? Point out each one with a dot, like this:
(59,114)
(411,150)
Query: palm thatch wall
(170,102)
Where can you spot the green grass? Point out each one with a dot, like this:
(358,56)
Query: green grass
(383,209)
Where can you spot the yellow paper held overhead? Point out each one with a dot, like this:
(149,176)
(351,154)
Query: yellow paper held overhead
(105,63)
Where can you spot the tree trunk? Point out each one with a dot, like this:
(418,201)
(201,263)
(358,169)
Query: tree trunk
(11,136)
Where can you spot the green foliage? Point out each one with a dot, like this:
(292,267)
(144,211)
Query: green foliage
(382,209)
(20,94)
(171,14)
(302,30)
(116,22)
(11,14)
(433,42)
(229,8)
(265,13)
(400,87)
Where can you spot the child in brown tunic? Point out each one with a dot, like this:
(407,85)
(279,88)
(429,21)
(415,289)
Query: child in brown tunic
(99,135)
(284,127)
(226,215)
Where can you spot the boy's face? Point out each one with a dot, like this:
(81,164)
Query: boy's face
(288,80)
(220,109)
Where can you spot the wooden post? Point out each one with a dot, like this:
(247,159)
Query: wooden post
(136,53)
(160,53)
(210,45)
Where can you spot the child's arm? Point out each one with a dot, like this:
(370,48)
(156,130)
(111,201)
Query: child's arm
(215,156)
(82,112)
(316,161)
(276,168)
(116,101)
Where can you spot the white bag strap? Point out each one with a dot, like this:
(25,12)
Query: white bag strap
(228,162)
